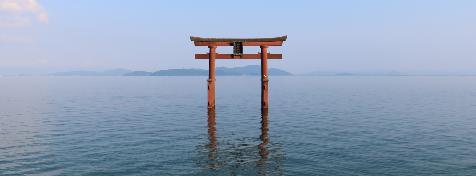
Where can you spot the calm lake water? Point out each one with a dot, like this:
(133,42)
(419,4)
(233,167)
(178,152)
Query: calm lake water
(327,125)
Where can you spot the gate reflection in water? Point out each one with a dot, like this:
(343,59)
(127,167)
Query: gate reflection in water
(249,156)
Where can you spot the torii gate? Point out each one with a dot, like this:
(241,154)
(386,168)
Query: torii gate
(238,44)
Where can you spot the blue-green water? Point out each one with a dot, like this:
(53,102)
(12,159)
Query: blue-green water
(160,126)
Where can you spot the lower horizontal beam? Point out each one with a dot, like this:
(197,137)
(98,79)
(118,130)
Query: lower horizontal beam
(243,56)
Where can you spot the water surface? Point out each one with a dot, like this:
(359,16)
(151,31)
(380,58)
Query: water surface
(315,126)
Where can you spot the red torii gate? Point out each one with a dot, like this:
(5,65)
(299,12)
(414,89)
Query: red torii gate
(238,44)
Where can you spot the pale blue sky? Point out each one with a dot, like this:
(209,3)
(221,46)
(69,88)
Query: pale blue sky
(332,35)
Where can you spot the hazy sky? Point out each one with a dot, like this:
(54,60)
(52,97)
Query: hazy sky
(338,35)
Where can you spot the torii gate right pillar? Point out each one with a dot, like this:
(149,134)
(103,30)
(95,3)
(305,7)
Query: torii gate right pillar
(264,77)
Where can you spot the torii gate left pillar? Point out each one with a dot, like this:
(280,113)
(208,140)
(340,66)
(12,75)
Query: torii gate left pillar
(238,44)
(211,77)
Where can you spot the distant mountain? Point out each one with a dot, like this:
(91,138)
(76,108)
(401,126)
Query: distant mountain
(220,71)
(181,72)
(249,70)
(355,73)
(138,73)
(114,72)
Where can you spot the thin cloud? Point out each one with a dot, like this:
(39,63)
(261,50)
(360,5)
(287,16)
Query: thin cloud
(17,13)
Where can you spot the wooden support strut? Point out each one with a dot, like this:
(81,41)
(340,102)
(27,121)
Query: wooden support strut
(264,77)
(211,77)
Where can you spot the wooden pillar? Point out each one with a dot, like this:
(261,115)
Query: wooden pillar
(211,77)
(264,77)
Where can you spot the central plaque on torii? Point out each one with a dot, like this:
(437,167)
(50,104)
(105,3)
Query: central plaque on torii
(238,44)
